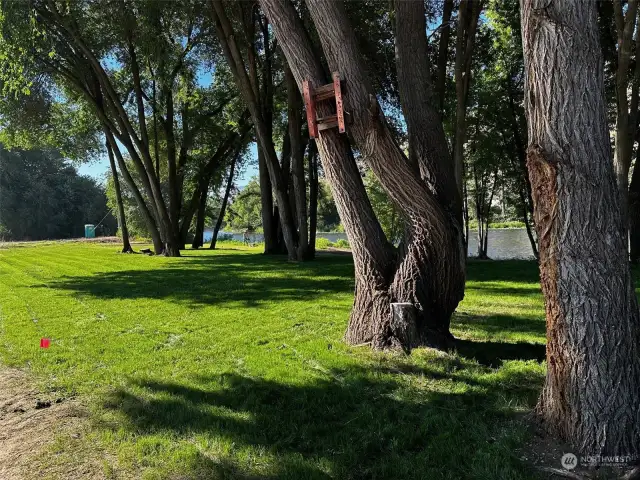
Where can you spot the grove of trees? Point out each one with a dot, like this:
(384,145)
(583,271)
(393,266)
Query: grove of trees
(452,107)
(43,198)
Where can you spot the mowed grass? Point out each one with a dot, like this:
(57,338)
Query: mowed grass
(231,364)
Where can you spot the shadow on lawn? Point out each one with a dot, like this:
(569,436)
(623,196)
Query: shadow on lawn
(494,324)
(362,423)
(212,280)
(493,354)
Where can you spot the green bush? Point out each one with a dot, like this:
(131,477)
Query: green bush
(323,243)
(342,243)
(473,224)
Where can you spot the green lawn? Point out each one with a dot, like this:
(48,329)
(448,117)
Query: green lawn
(230,364)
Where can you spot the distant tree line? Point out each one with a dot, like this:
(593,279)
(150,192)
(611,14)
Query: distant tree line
(43,197)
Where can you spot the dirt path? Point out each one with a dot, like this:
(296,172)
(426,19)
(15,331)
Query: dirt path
(30,425)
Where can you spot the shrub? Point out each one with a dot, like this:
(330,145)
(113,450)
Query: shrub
(323,243)
(342,243)
(225,237)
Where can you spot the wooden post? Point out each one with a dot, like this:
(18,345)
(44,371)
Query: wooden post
(310,103)
(338,93)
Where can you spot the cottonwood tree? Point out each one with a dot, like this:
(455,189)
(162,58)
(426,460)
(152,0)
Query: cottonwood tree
(590,396)
(428,272)
(236,32)
(134,65)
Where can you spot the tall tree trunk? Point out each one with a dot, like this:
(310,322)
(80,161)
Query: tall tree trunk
(198,238)
(627,113)
(147,214)
(430,274)
(527,224)
(313,197)
(443,53)
(172,223)
(520,163)
(269,220)
(590,396)
(468,17)
(634,212)
(225,201)
(122,219)
(297,163)
(465,218)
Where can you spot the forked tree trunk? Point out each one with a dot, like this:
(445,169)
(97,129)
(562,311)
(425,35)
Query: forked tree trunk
(590,396)
(122,219)
(430,272)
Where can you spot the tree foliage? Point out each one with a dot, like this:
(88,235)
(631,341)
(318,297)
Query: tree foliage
(43,197)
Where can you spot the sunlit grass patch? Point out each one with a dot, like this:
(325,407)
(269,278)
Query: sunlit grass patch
(231,364)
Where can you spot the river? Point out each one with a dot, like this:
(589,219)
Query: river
(503,243)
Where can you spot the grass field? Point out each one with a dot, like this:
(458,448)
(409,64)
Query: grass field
(230,364)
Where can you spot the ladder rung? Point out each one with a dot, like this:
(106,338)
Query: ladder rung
(324,92)
(326,123)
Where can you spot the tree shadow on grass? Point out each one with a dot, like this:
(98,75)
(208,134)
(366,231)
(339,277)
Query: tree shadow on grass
(494,354)
(520,271)
(494,324)
(220,279)
(361,423)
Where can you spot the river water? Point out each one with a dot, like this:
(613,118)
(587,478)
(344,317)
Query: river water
(503,243)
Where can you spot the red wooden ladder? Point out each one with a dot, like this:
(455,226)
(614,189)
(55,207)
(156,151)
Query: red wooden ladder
(325,92)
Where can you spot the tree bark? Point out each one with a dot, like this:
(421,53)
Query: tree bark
(590,396)
(313,197)
(122,219)
(430,272)
(225,201)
